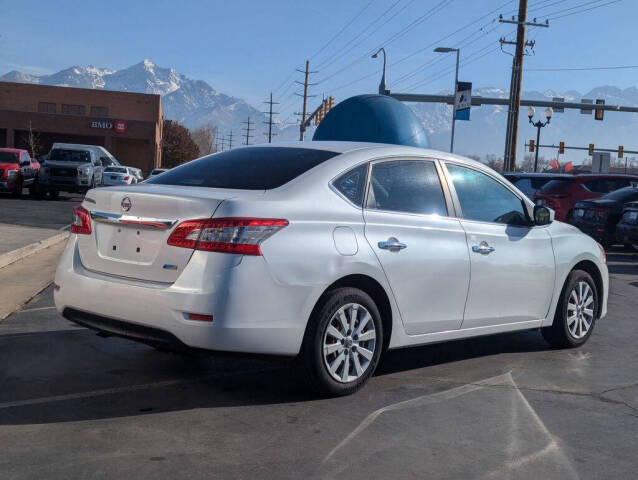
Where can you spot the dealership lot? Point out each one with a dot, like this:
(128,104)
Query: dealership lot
(73,404)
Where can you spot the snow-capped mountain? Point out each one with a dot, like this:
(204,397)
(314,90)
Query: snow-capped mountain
(195,102)
(191,102)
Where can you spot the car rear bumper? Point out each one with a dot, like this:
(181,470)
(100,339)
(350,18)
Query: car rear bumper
(251,312)
(627,233)
(593,230)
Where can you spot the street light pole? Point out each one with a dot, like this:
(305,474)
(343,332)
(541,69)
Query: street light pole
(383,90)
(456,82)
(548,114)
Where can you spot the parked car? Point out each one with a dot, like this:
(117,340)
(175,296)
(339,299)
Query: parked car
(157,171)
(139,177)
(17,171)
(562,194)
(119,176)
(598,218)
(74,167)
(627,228)
(332,252)
(530,183)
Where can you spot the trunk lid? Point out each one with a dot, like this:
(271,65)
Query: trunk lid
(131,224)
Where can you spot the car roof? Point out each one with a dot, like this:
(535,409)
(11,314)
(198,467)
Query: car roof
(378,148)
(536,174)
(13,150)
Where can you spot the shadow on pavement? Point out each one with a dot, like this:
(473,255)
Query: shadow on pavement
(76,376)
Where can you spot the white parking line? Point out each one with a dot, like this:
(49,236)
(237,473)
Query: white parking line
(125,389)
(35,309)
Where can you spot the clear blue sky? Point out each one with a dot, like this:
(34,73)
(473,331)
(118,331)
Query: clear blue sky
(247,48)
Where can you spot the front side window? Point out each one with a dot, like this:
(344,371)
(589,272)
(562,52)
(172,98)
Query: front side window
(352,184)
(407,186)
(484,199)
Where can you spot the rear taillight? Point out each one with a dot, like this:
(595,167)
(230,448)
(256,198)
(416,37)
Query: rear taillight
(126,178)
(228,235)
(81,221)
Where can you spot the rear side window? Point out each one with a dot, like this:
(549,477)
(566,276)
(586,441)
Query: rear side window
(557,184)
(352,184)
(409,186)
(256,168)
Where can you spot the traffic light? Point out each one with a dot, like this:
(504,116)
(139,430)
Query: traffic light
(598,114)
(591,149)
(621,151)
(331,102)
(531,146)
(561,148)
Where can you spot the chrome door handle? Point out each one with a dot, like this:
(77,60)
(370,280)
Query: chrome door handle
(392,244)
(483,248)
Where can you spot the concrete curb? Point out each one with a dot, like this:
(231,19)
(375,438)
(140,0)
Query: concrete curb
(15,255)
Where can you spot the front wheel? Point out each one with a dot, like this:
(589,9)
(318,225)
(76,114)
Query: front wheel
(576,312)
(343,342)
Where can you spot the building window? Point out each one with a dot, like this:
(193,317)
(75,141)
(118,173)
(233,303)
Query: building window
(73,109)
(46,107)
(99,111)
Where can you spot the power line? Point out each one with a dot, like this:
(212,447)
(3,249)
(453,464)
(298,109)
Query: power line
(334,37)
(583,11)
(580,69)
(341,50)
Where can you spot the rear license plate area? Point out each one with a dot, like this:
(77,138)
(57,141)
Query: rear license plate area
(128,244)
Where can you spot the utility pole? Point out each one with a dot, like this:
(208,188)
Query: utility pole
(270,114)
(222,142)
(511,133)
(306,72)
(230,140)
(247,130)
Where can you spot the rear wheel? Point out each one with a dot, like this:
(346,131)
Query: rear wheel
(54,194)
(343,342)
(576,312)
(18,191)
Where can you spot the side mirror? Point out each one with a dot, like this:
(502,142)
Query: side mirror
(543,215)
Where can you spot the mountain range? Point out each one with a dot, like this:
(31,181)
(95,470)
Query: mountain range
(195,102)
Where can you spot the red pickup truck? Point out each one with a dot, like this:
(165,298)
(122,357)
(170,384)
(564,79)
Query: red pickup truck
(17,171)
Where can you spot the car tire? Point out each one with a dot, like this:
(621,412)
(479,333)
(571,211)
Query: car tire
(17,193)
(333,340)
(576,312)
(54,194)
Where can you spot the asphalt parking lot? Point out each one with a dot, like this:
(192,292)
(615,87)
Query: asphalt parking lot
(75,405)
(31,212)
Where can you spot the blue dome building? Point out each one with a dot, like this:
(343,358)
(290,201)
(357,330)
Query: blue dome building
(372,118)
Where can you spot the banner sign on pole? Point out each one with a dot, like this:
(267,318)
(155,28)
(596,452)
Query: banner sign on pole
(463,100)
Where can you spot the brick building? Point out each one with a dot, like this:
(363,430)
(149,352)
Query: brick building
(129,125)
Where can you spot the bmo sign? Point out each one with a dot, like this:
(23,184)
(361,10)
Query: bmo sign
(120,126)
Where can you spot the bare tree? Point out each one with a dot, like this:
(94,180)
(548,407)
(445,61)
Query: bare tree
(494,162)
(204,137)
(33,142)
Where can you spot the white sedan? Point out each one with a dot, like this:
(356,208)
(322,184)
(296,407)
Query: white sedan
(333,252)
(118,176)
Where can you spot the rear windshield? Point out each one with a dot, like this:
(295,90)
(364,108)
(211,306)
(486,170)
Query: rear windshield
(256,168)
(626,194)
(63,155)
(557,184)
(115,170)
(7,157)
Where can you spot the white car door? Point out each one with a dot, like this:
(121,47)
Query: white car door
(422,250)
(512,261)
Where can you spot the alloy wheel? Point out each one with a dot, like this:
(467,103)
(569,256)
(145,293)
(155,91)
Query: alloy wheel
(349,342)
(580,310)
